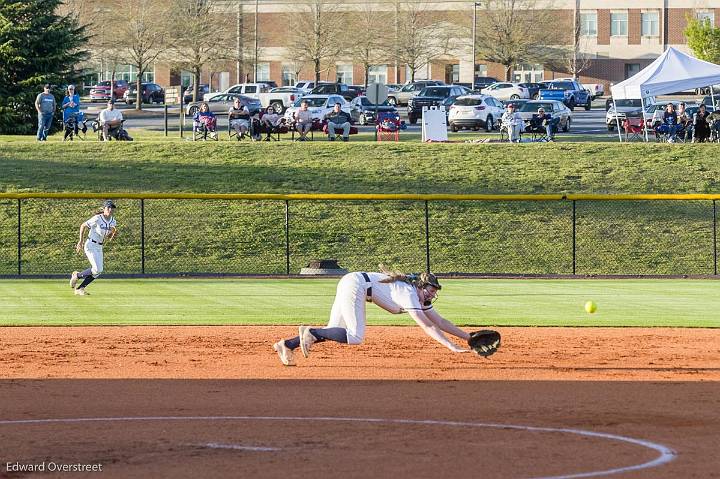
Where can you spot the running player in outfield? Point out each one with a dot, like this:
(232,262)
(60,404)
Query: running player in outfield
(101,228)
(392,291)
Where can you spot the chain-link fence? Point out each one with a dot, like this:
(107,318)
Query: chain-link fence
(237,235)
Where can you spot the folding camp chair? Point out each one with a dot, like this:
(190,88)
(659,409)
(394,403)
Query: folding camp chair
(634,128)
(388,126)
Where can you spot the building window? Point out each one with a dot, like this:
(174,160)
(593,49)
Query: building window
(631,69)
(344,74)
(377,74)
(709,16)
(452,73)
(588,24)
(618,24)
(289,77)
(186,78)
(480,70)
(263,72)
(528,73)
(650,24)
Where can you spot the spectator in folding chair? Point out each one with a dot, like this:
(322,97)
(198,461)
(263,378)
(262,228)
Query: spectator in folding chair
(543,126)
(700,125)
(205,123)
(238,120)
(338,120)
(684,127)
(388,126)
(511,124)
(669,126)
(303,121)
(271,123)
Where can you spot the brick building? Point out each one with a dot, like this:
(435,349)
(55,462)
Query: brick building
(616,40)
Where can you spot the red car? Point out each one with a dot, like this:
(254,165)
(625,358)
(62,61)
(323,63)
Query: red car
(101,91)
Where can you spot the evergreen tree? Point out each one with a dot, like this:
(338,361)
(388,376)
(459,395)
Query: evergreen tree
(37,46)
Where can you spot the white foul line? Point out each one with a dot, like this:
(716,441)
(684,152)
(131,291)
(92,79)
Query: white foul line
(217,445)
(666,454)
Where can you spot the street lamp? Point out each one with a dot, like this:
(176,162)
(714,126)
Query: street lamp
(474,38)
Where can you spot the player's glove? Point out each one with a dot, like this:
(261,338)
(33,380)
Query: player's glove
(484,342)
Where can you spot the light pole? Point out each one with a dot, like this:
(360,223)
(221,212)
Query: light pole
(474,40)
(256,43)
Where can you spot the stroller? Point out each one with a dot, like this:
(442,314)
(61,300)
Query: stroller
(74,125)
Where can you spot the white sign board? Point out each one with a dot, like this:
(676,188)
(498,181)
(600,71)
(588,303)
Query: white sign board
(377,93)
(434,124)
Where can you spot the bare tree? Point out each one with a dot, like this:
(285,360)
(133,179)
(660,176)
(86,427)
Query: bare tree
(515,31)
(575,58)
(317,33)
(105,50)
(200,37)
(368,44)
(139,28)
(421,35)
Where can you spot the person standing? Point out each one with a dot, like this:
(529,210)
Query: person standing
(71,109)
(101,229)
(394,292)
(45,106)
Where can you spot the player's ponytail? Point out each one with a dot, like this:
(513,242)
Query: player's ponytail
(420,280)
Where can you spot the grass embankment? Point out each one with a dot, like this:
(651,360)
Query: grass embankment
(267,302)
(249,237)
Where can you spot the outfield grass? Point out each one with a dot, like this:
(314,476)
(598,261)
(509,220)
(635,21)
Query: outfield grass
(475,303)
(245,237)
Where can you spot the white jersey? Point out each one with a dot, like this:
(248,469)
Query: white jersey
(396,297)
(100,228)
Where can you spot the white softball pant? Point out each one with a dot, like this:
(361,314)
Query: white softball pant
(348,310)
(94,253)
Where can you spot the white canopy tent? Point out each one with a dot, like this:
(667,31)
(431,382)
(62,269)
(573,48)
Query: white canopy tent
(671,72)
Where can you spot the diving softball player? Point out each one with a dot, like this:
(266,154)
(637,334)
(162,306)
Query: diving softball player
(101,229)
(394,292)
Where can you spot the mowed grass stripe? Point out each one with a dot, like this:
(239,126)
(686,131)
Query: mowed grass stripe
(474,303)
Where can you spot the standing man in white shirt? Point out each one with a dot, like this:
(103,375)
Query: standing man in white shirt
(101,229)
(110,120)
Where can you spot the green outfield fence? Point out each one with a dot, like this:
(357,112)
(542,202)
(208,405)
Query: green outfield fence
(274,234)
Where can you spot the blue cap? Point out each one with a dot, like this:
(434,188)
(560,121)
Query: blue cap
(109,204)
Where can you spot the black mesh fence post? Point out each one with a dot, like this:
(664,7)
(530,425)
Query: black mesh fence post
(19,239)
(287,237)
(142,233)
(427,237)
(715,262)
(574,232)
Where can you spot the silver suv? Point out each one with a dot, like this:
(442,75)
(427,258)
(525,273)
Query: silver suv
(409,90)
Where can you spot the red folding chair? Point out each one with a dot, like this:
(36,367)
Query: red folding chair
(634,128)
(388,127)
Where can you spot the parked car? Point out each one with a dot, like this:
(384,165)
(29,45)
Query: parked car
(708,100)
(363,110)
(101,90)
(627,107)
(595,89)
(188,95)
(222,103)
(305,85)
(359,89)
(432,96)
(506,91)
(247,89)
(482,82)
(475,111)
(409,90)
(150,93)
(516,103)
(325,88)
(533,89)
(319,105)
(555,108)
(570,92)
(393,87)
